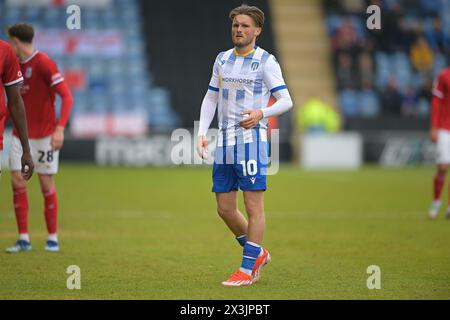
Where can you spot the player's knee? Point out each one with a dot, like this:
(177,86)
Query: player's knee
(47,191)
(225,212)
(17,180)
(442,169)
(47,183)
(253,208)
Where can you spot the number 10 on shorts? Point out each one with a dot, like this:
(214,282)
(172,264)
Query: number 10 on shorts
(251,168)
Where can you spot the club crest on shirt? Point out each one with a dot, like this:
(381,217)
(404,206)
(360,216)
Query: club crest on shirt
(28,72)
(254,65)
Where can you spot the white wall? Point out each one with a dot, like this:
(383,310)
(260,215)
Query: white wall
(331,151)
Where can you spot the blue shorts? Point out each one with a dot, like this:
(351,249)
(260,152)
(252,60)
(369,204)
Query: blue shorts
(241,166)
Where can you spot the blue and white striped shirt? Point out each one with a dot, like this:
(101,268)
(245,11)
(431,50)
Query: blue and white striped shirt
(244,82)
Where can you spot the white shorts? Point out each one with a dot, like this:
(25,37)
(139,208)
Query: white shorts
(45,159)
(443,147)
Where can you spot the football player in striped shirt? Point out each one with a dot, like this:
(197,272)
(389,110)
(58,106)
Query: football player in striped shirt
(242,82)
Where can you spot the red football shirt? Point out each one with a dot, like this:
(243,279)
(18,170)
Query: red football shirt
(440,117)
(40,75)
(10,74)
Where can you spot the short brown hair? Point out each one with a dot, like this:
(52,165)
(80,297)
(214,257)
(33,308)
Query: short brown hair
(254,12)
(22,31)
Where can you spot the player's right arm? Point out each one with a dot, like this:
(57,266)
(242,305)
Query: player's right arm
(436,101)
(207,111)
(11,79)
(66,106)
(55,81)
(435,106)
(17,113)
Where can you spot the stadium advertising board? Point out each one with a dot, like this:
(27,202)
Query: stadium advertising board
(49,3)
(144,151)
(89,43)
(399,148)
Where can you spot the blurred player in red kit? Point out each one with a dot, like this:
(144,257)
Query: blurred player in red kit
(42,81)
(440,134)
(11,78)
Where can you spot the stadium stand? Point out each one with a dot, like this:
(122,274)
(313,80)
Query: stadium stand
(384,77)
(105,62)
(302,42)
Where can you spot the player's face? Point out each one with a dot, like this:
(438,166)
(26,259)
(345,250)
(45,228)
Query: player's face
(244,31)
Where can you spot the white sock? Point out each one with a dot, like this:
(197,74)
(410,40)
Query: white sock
(53,237)
(249,272)
(261,252)
(436,202)
(24,236)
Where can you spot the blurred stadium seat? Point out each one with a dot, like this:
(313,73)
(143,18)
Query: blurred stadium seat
(115,83)
(397,52)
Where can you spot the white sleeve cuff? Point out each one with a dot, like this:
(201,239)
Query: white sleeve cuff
(283,104)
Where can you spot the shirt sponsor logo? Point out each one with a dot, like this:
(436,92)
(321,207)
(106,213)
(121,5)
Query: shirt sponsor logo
(238,80)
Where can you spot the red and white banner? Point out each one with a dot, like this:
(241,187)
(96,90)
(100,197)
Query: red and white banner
(59,3)
(76,79)
(87,43)
(93,125)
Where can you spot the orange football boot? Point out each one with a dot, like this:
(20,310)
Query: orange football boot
(238,279)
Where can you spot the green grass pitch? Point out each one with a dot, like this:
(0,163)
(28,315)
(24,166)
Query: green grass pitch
(153,233)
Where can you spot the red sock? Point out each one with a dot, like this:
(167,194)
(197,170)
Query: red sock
(20,199)
(439,180)
(51,210)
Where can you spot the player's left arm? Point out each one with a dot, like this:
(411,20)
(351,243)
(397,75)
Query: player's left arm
(273,79)
(57,84)
(66,106)
(436,100)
